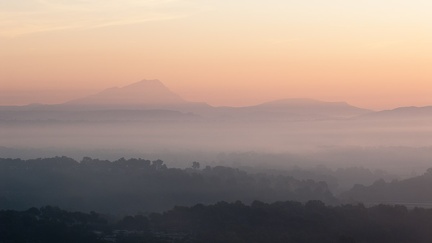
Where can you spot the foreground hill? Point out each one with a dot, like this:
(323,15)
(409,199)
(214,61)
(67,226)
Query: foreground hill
(287,222)
(130,186)
(416,191)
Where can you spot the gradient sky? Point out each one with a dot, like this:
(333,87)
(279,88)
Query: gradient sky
(371,53)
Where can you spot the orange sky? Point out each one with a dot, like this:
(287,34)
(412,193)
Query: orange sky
(373,54)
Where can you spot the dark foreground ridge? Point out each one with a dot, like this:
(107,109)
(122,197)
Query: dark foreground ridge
(138,185)
(225,222)
(414,191)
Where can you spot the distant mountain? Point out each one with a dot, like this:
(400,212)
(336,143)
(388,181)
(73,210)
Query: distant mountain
(298,109)
(13,116)
(406,113)
(310,106)
(146,100)
(153,95)
(143,93)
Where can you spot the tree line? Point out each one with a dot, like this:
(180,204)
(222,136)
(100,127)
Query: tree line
(128,186)
(287,221)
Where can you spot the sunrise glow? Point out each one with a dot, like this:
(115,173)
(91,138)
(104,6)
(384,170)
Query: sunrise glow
(372,54)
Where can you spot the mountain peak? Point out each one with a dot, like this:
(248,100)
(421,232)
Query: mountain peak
(142,93)
(303,102)
(146,83)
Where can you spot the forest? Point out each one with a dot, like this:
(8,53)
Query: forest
(60,199)
(414,191)
(287,221)
(129,186)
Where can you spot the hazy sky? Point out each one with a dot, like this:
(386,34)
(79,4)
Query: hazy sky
(371,53)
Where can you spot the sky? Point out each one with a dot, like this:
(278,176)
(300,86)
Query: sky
(374,54)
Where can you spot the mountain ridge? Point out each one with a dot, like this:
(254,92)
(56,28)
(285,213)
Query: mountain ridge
(400,113)
(154,95)
(144,92)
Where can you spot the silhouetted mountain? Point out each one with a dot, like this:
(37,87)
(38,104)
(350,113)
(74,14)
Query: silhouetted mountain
(155,96)
(141,101)
(94,115)
(143,93)
(405,113)
(296,109)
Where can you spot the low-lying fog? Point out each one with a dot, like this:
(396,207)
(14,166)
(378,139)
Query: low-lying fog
(397,147)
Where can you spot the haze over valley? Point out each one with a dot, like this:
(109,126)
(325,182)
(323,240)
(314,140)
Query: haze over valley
(183,121)
(147,119)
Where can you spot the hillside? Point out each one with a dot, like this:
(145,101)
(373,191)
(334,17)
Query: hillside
(415,191)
